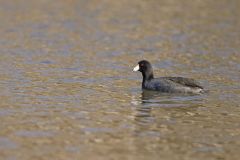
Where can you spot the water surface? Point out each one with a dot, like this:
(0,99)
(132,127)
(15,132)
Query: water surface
(68,91)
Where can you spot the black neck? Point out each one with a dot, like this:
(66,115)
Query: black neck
(147,76)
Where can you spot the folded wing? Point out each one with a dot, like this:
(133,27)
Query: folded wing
(185,81)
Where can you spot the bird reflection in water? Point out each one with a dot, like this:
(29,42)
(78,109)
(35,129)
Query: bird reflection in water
(152,98)
(149,100)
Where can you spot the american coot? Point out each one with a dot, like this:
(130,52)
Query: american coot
(166,84)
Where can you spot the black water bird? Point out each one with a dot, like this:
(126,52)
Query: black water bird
(166,84)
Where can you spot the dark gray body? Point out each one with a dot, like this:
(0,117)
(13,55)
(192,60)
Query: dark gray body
(172,85)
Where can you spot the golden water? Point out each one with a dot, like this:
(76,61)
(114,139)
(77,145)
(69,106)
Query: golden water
(68,91)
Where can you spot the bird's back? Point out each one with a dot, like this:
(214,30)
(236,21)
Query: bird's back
(173,84)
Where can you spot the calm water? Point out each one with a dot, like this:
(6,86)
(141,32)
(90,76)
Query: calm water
(68,91)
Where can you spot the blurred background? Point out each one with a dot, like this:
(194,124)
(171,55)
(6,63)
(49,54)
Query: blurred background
(67,90)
